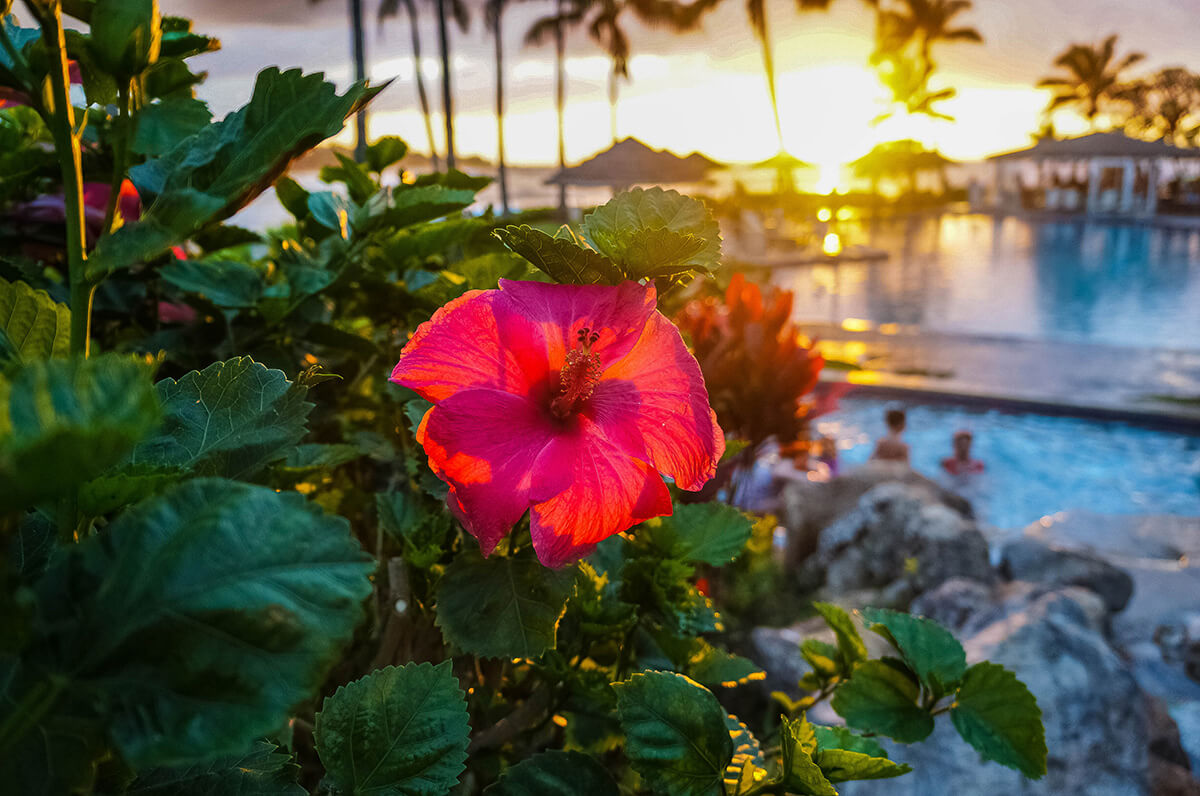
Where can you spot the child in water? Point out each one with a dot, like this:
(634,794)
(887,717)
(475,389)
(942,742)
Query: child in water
(961,462)
(893,447)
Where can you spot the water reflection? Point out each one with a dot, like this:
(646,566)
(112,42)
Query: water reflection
(1074,281)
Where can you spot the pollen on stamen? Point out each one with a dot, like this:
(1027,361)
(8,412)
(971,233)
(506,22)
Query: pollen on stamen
(578,376)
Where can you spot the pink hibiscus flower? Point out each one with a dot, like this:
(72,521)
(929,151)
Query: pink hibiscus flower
(563,400)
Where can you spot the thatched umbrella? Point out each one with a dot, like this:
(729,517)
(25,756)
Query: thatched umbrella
(784,164)
(630,162)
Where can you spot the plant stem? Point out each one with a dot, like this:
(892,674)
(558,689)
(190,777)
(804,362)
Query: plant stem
(26,714)
(123,133)
(66,146)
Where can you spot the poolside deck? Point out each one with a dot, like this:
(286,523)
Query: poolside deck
(1155,386)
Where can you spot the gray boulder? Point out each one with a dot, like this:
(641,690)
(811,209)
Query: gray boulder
(1096,717)
(1033,561)
(807,507)
(899,541)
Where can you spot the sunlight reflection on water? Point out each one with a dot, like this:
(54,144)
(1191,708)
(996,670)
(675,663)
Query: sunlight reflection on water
(1067,281)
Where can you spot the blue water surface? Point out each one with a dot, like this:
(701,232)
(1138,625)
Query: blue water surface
(1036,465)
(1068,281)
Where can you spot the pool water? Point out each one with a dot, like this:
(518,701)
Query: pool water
(1078,282)
(1036,465)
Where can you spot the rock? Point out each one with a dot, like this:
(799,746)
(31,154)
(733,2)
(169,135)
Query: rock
(896,533)
(1030,560)
(1168,779)
(1163,735)
(1187,718)
(1180,643)
(1095,714)
(968,606)
(807,507)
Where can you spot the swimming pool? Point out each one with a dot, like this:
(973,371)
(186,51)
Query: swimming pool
(1036,465)
(976,274)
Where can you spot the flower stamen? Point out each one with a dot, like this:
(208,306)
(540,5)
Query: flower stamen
(579,375)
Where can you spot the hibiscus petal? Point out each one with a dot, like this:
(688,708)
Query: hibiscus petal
(653,404)
(609,491)
(560,311)
(484,444)
(474,341)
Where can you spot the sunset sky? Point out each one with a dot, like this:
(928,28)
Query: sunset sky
(700,91)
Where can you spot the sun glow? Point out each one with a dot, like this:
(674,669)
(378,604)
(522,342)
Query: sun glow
(830,104)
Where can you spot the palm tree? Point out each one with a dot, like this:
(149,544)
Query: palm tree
(605,28)
(1092,80)
(458,10)
(566,13)
(908,81)
(389,8)
(756,10)
(926,22)
(1164,104)
(494,10)
(359,50)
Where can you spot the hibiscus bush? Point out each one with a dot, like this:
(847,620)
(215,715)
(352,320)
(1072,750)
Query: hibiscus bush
(373,502)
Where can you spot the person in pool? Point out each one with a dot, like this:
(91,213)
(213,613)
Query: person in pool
(961,462)
(892,447)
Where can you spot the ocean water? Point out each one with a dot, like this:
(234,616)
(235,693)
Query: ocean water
(1036,465)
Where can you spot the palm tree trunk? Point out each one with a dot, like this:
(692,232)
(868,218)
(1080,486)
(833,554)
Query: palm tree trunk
(360,74)
(614,90)
(560,101)
(764,38)
(503,175)
(447,95)
(411,7)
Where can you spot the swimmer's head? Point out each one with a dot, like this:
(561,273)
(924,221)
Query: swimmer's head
(895,419)
(962,443)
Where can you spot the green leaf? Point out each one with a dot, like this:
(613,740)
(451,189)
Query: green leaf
(332,211)
(319,456)
(162,125)
(676,735)
(185,44)
(711,667)
(881,699)
(203,616)
(401,730)
(263,771)
(454,179)
(212,174)
(36,326)
(840,765)
(555,773)
(800,773)
(850,643)
(996,714)
(226,283)
(706,533)
(843,738)
(230,419)
(822,657)
(123,487)
(384,151)
(928,648)
(358,183)
(293,197)
(618,230)
(126,35)
(413,205)
(650,253)
(63,422)
(563,260)
(502,607)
